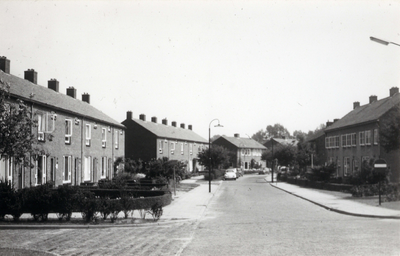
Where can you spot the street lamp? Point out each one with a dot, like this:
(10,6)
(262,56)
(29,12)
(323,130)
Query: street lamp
(380,41)
(209,152)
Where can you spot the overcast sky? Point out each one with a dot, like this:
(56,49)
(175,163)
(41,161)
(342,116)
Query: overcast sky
(248,63)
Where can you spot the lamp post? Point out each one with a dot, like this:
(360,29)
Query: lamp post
(380,41)
(273,162)
(209,152)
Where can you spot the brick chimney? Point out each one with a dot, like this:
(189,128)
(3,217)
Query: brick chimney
(393,91)
(5,64)
(182,125)
(356,104)
(142,117)
(71,91)
(31,75)
(373,98)
(129,115)
(86,97)
(236,135)
(328,123)
(53,84)
(154,119)
(173,123)
(190,127)
(165,121)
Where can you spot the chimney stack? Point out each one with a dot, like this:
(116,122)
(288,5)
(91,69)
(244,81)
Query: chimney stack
(173,123)
(182,125)
(5,64)
(356,104)
(165,121)
(154,119)
(142,117)
(71,91)
(373,98)
(328,123)
(31,75)
(190,127)
(86,98)
(393,91)
(237,135)
(129,115)
(53,84)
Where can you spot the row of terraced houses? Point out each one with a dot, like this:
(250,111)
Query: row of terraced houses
(81,144)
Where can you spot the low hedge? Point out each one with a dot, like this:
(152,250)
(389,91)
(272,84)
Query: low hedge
(41,200)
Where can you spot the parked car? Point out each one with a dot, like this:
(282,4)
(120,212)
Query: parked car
(230,174)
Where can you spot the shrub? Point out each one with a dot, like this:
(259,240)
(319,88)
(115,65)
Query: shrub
(321,173)
(63,201)
(38,201)
(115,208)
(87,204)
(6,195)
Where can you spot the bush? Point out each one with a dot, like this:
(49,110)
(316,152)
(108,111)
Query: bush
(215,174)
(63,201)
(321,173)
(87,204)
(6,197)
(38,201)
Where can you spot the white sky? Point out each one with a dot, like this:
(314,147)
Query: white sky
(248,63)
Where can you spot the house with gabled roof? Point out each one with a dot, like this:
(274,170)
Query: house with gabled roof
(246,150)
(147,140)
(80,142)
(355,138)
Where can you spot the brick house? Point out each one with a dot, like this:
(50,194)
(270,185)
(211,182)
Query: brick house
(245,150)
(355,138)
(80,142)
(147,140)
(317,144)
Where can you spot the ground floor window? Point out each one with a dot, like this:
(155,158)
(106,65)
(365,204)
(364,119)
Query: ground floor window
(41,170)
(87,168)
(103,167)
(67,169)
(346,166)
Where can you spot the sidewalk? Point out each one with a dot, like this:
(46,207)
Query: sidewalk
(339,202)
(192,204)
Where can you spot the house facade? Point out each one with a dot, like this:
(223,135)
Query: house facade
(355,138)
(79,142)
(147,140)
(246,150)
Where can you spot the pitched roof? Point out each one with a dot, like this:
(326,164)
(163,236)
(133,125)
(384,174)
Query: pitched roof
(285,142)
(24,89)
(366,113)
(316,135)
(243,142)
(170,132)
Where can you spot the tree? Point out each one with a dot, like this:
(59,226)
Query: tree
(303,155)
(299,135)
(16,122)
(389,132)
(286,155)
(219,156)
(259,136)
(277,131)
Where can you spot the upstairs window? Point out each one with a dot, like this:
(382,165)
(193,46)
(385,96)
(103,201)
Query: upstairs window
(344,141)
(362,138)
(103,167)
(376,137)
(116,138)
(88,133)
(191,148)
(103,137)
(67,169)
(68,131)
(181,148)
(354,139)
(172,147)
(160,146)
(348,140)
(367,137)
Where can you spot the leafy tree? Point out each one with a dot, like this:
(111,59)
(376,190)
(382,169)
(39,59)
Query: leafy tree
(277,131)
(259,136)
(16,122)
(163,167)
(286,155)
(389,132)
(219,156)
(303,154)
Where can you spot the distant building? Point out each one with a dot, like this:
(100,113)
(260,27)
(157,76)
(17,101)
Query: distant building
(317,144)
(246,150)
(355,138)
(80,142)
(280,142)
(148,140)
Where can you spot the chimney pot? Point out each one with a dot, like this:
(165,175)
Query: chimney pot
(31,75)
(5,64)
(142,117)
(53,84)
(237,135)
(173,123)
(356,104)
(154,119)
(393,91)
(86,97)
(165,121)
(190,127)
(71,91)
(129,115)
(335,120)
(182,125)
(373,98)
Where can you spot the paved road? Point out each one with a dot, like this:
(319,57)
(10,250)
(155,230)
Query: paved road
(245,217)
(249,217)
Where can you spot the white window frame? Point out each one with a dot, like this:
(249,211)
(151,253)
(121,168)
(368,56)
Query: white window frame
(103,137)
(104,167)
(67,169)
(41,125)
(87,168)
(354,139)
(88,134)
(116,137)
(344,141)
(362,138)
(172,147)
(376,137)
(182,148)
(346,165)
(368,137)
(68,134)
(190,148)
(160,146)
(348,140)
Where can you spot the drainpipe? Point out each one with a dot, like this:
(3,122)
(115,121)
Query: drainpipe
(81,148)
